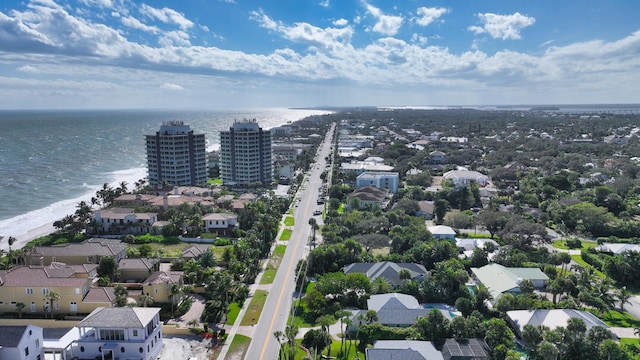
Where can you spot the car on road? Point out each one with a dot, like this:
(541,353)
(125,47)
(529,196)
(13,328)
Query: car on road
(317,212)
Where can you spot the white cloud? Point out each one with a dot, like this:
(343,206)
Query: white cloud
(327,38)
(341,22)
(167,16)
(325,3)
(29,69)
(387,24)
(502,26)
(170,86)
(263,20)
(429,15)
(137,24)
(100,3)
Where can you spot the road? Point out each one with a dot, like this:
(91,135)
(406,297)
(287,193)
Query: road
(280,299)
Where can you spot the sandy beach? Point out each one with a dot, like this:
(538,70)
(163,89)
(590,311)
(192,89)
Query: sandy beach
(22,240)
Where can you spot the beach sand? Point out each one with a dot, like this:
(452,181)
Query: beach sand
(22,240)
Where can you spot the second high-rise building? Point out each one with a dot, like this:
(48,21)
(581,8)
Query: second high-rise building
(245,154)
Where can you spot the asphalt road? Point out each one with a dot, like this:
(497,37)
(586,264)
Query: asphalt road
(280,299)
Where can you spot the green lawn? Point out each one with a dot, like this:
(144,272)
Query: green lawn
(255,308)
(238,348)
(335,350)
(270,272)
(286,234)
(629,341)
(561,244)
(304,318)
(578,259)
(216,181)
(617,319)
(176,249)
(289,221)
(232,314)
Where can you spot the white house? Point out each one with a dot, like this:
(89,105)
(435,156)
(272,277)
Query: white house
(119,333)
(464,177)
(442,232)
(222,224)
(23,342)
(382,180)
(125,221)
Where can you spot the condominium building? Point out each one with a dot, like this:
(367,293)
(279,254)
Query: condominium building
(176,155)
(245,154)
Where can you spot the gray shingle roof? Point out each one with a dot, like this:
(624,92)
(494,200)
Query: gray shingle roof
(119,317)
(11,335)
(387,270)
(396,308)
(403,350)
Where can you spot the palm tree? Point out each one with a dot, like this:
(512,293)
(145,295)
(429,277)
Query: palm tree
(623,296)
(145,299)
(174,290)
(19,307)
(342,315)
(279,337)
(52,297)
(11,240)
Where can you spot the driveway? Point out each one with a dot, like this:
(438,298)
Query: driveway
(197,306)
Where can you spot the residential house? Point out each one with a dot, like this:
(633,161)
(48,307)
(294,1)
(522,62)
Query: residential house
(437,157)
(465,177)
(401,310)
(468,245)
(465,349)
(359,167)
(119,333)
(382,180)
(552,318)
(193,251)
(369,196)
(500,279)
(23,342)
(403,349)
(219,223)
(617,248)
(89,251)
(133,200)
(124,221)
(426,209)
(389,271)
(442,232)
(160,286)
(137,269)
(32,285)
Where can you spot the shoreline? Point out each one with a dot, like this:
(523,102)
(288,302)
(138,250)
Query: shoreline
(38,223)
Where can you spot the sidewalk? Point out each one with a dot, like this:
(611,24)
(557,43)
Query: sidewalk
(236,328)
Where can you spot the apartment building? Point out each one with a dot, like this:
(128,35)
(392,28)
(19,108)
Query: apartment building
(245,154)
(176,155)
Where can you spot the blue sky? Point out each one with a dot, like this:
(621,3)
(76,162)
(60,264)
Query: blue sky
(232,54)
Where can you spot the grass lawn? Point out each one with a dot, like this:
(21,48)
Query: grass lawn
(255,308)
(232,314)
(578,259)
(617,319)
(561,244)
(304,318)
(335,350)
(629,341)
(286,234)
(239,346)
(216,181)
(289,221)
(270,272)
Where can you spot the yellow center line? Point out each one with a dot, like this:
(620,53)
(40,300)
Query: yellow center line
(273,317)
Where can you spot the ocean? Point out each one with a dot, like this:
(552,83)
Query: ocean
(52,160)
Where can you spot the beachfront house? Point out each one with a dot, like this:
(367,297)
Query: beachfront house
(119,333)
(21,342)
